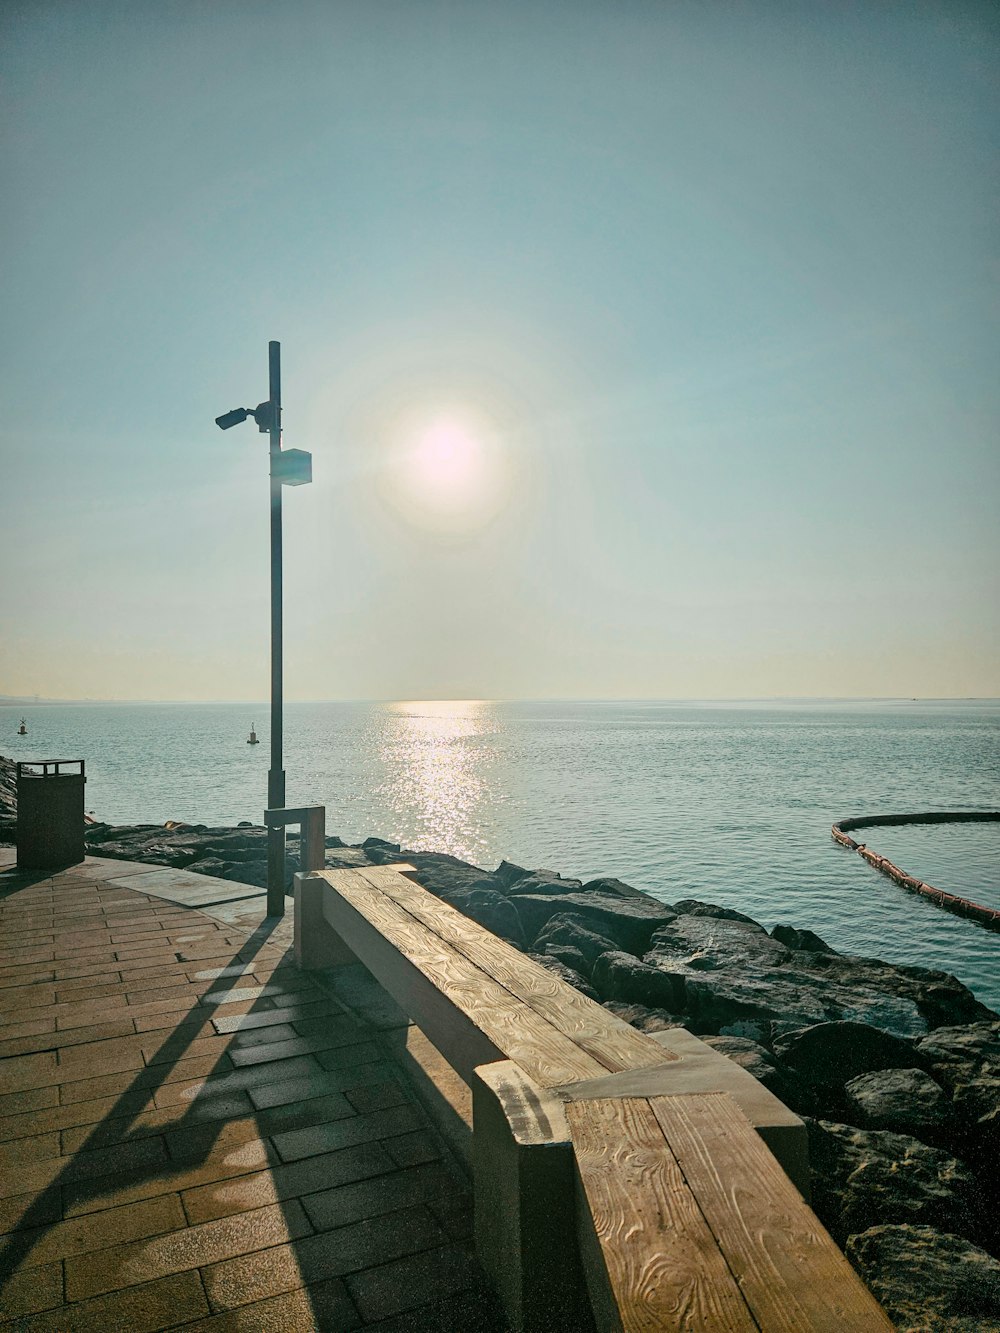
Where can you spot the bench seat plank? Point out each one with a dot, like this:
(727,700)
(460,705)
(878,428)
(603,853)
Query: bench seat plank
(449,996)
(652,1263)
(792,1275)
(616,1044)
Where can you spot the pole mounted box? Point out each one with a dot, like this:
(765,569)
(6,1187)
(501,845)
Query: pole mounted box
(292,467)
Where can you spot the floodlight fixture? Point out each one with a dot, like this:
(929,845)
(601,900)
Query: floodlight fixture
(233,418)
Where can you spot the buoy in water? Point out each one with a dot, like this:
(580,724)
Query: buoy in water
(23,728)
(252,739)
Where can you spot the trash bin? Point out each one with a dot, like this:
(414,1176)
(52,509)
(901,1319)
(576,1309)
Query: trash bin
(50,814)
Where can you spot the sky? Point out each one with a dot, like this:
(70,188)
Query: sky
(644,350)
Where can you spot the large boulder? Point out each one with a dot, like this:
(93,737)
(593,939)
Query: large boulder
(759,1062)
(800,941)
(929,1281)
(966,1061)
(863,1178)
(616,887)
(828,1055)
(906,1101)
(543,881)
(619,976)
(567,931)
(437,871)
(629,922)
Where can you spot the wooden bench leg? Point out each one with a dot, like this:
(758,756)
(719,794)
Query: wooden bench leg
(524,1185)
(316,944)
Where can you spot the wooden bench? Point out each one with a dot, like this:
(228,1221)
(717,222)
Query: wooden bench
(640,1173)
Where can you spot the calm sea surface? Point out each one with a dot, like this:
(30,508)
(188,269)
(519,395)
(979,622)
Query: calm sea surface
(729,802)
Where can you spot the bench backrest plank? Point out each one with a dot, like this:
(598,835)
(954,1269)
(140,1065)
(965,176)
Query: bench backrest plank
(614,1043)
(459,1006)
(791,1273)
(651,1260)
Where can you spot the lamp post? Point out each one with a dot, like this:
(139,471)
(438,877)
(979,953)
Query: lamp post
(289,467)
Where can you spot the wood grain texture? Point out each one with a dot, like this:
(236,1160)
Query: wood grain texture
(519,1033)
(616,1044)
(791,1273)
(662,1268)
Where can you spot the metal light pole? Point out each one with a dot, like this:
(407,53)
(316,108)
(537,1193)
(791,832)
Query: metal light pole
(276,773)
(289,467)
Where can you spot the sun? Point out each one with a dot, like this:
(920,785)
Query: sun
(448,470)
(447,461)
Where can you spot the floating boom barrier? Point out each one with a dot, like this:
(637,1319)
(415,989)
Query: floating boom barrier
(984,916)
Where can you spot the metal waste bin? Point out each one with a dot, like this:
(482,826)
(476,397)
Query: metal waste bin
(50,813)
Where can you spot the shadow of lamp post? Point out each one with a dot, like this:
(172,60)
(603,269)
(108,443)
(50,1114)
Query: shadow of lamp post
(289,467)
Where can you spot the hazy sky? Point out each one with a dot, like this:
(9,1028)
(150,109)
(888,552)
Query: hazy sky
(643,349)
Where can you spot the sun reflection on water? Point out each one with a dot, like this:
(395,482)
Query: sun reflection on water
(433,753)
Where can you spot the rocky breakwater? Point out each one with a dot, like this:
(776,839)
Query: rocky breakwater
(896,1070)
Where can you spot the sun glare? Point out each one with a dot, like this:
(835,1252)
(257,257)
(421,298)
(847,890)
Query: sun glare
(448,472)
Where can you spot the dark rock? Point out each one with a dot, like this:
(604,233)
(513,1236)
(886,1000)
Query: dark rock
(828,1055)
(333,841)
(440,872)
(567,974)
(345,858)
(630,923)
(693,907)
(863,1178)
(379,843)
(244,823)
(249,872)
(568,956)
(929,1281)
(508,873)
(642,1017)
(541,881)
(620,976)
(492,910)
(966,1061)
(616,887)
(704,942)
(568,931)
(802,941)
(757,1060)
(906,1101)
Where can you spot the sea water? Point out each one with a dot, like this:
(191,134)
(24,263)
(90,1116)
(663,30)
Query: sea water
(727,802)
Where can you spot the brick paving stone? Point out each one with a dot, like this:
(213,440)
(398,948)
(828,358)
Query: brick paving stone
(34,1148)
(358,1053)
(338,1207)
(409,1282)
(127,1127)
(149,1217)
(260,1188)
(34,1289)
(27,1210)
(184,1089)
(58,1040)
(467,1312)
(143,1309)
(331,1254)
(414,1149)
(31,1099)
(301,1143)
(156,1079)
(195,1246)
(317,1085)
(324,1305)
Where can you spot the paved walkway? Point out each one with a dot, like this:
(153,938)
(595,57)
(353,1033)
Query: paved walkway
(195,1134)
